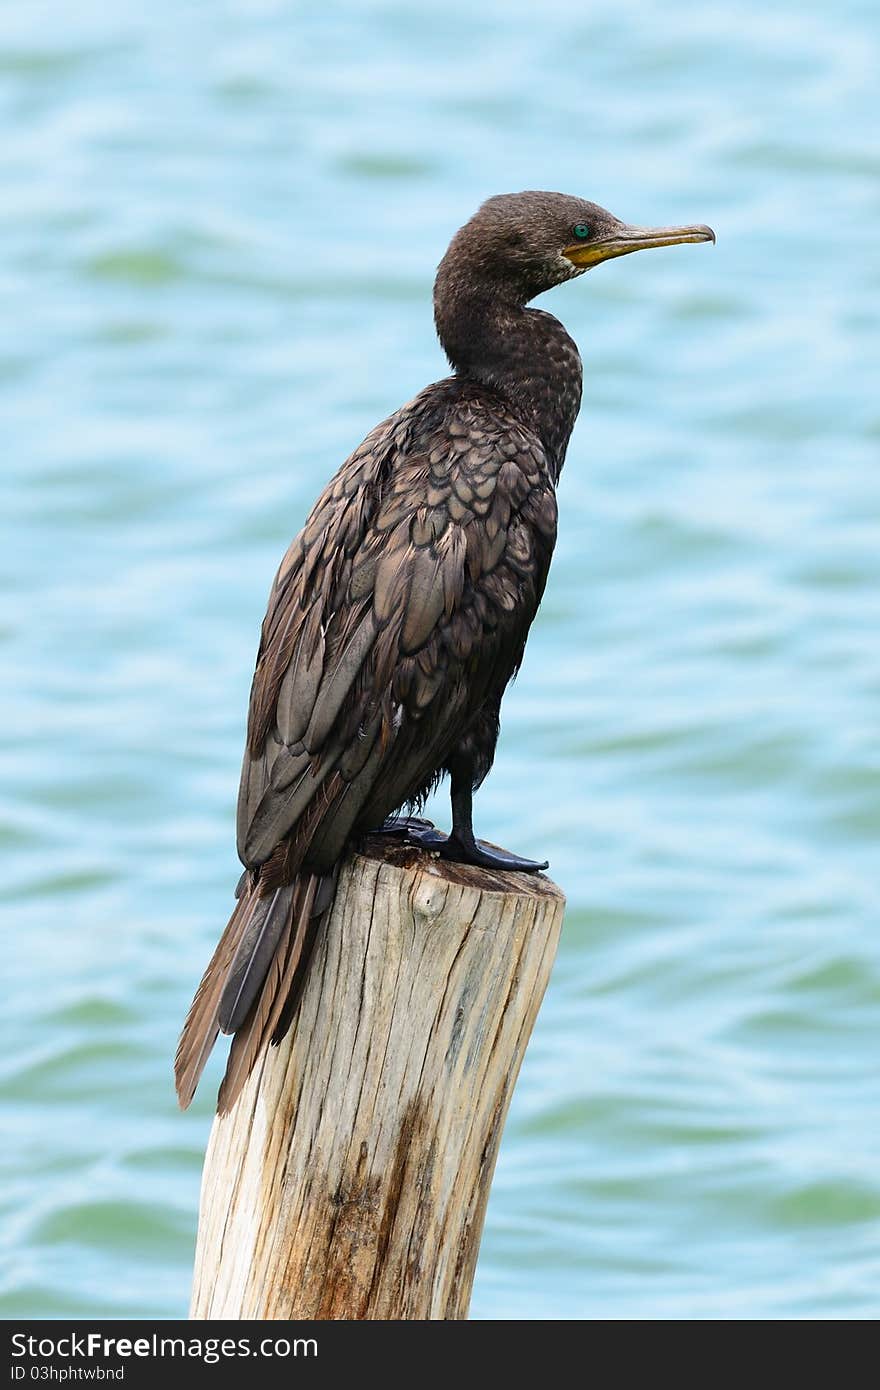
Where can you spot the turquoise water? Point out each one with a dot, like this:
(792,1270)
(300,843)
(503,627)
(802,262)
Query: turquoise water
(219,230)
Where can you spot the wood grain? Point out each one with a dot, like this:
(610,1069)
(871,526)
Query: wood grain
(351,1179)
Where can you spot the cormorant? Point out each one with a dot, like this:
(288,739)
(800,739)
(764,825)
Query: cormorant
(400,612)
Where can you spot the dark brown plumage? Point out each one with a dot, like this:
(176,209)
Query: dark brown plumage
(400,612)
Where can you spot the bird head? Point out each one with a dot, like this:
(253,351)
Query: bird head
(529,242)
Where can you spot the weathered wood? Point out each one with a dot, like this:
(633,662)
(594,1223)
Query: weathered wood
(351,1179)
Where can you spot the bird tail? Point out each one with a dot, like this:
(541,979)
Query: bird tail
(253,981)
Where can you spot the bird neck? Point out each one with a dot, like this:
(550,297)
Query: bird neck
(524,355)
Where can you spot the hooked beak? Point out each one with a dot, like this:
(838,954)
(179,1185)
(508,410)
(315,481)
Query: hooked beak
(625,239)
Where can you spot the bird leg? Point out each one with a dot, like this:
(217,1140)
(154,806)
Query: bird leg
(461,846)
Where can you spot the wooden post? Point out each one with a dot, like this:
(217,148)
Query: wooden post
(351,1179)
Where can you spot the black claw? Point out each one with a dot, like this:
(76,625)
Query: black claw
(403,825)
(428,838)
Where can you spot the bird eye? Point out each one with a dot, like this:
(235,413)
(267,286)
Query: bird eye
(581,231)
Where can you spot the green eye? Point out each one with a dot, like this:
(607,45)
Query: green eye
(581,231)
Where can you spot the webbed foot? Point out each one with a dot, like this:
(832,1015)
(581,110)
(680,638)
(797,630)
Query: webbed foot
(469,850)
(460,848)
